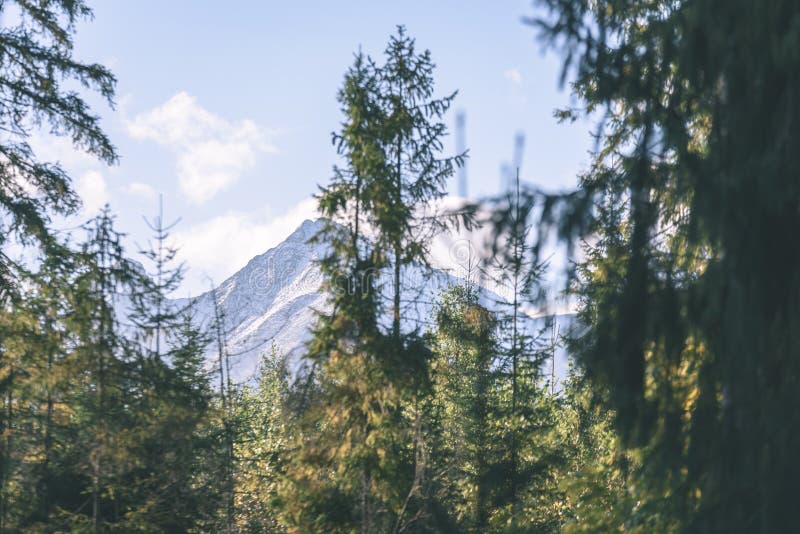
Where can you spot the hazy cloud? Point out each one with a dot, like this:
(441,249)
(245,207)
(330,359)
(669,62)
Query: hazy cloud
(91,186)
(141,190)
(513,75)
(211,152)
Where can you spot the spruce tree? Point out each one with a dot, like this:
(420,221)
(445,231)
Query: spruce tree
(691,284)
(151,312)
(98,434)
(173,487)
(358,460)
(173,398)
(47,343)
(526,415)
(414,172)
(36,69)
(464,399)
(30,353)
(104,361)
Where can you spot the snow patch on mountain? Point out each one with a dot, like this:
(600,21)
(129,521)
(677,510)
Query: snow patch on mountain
(276,297)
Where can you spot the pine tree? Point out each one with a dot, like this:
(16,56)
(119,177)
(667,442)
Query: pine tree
(173,486)
(36,68)
(173,408)
(46,343)
(104,360)
(526,416)
(99,433)
(30,354)
(194,498)
(463,402)
(522,361)
(368,382)
(690,287)
(414,172)
(152,314)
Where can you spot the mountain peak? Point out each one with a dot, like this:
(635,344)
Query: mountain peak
(306,230)
(276,297)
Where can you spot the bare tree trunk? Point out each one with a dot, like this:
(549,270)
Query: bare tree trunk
(398,246)
(224,391)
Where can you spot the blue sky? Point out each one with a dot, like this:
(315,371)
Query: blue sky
(227,108)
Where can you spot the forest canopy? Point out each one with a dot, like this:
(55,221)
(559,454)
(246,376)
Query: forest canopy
(679,410)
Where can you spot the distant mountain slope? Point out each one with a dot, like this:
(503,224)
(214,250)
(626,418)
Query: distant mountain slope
(271,300)
(274,299)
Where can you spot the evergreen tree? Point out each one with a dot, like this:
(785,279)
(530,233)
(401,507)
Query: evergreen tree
(463,402)
(36,68)
(152,314)
(413,172)
(596,479)
(173,407)
(97,434)
(691,280)
(173,487)
(359,448)
(32,355)
(47,380)
(533,456)
(262,438)
(103,359)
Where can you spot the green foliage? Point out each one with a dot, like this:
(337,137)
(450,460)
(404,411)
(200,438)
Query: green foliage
(414,172)
(678,415)
(357,462)
(99,435)
(502,449)
(391,141)
(595,477)
(36,69)
(462,400)
(262,422)
(690,282)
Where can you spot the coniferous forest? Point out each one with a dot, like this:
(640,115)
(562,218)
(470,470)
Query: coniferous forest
(681,408)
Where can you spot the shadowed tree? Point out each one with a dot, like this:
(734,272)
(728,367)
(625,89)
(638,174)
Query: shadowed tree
(690,284)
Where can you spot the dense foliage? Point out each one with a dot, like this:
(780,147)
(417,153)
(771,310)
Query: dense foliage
(679,411)
(690,279)
(99,431)
(37,70)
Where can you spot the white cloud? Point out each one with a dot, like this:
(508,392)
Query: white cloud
(91,186)
(513,75)
(212,153)
(60,149)
(87,180)
(219,247)
(141,190)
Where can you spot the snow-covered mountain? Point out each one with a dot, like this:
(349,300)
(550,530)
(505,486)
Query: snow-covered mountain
(275,297)
(270,300)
